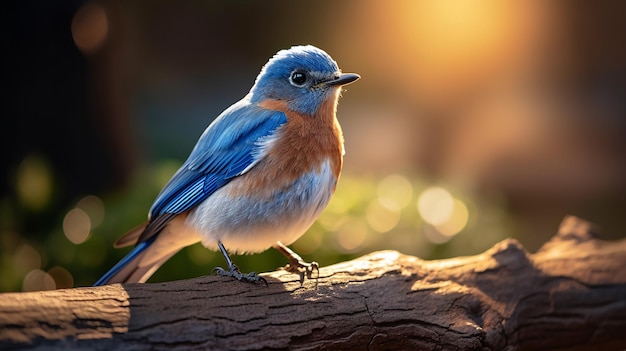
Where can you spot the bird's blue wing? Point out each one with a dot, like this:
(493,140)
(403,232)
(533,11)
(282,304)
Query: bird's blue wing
(227,148)
(230,146)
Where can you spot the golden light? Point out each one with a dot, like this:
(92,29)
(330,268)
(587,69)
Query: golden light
(351,235)
(450,31)
(395,191)
(77,226)
(435,205)
(436,49)
(381,218)
(434,236)
(457,221)
(455,42)
(446,215)
(90,27)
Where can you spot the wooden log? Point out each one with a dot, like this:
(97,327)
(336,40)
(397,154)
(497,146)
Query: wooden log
(570,295)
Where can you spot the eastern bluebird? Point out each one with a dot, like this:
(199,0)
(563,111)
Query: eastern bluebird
(259,176)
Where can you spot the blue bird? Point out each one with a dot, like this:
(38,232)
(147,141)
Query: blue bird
(258,177)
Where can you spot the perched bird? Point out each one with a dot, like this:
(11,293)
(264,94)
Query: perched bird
(259,176)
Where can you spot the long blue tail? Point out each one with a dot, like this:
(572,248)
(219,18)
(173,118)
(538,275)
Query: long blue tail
(130,257)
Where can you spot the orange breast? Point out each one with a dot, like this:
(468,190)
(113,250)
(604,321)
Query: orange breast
(305,142)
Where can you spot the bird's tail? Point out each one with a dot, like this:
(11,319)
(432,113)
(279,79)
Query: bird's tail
(130,269)
(149,254)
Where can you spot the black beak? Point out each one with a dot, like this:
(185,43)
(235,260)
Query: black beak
(343,79)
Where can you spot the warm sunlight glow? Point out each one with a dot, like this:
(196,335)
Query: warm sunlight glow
(457,221)
(380,218)
(351,235)
(395,191)
(447,215)
(457,29)
(435,49)
(435,205)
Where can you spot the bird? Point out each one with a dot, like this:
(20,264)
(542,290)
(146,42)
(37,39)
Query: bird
(258,177)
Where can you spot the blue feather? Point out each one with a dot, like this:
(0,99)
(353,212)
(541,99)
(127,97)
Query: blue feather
(273,81)
(124,261)
(226,148)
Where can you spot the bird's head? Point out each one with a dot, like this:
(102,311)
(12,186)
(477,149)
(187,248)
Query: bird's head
(302,76)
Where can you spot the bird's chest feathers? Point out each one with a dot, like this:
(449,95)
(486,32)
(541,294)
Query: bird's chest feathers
(301,146)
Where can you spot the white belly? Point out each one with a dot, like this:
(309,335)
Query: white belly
(246,224)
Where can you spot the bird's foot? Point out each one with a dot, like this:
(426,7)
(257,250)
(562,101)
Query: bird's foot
(302,268)
(297,264)
(234,272)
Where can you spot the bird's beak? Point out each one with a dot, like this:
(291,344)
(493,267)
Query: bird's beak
(343,79)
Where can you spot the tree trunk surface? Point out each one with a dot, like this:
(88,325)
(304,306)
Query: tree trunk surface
(570,295)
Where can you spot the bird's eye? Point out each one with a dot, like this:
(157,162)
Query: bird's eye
(297,78)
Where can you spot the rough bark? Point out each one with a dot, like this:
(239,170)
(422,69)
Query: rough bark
(570,295)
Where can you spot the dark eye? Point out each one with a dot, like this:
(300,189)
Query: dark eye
(297,78)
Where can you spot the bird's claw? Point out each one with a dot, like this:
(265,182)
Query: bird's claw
(234,272)
(303,268)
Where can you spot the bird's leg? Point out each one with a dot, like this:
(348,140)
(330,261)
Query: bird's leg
(296,263)
(233,270)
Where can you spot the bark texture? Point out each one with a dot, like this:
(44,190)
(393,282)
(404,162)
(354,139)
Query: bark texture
(570,295)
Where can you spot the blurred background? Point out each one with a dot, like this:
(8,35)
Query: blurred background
(474,121)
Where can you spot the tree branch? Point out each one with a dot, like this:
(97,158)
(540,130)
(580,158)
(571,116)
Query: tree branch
(570,295)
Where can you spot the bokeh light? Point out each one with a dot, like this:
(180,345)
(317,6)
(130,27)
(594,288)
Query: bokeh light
(26,258)
(34,183)
(93,207)
(457,221)
(37,280)
(351,235)
(62,277)
(435,205)
(90,27)
(380,217)
(77,226)
(446,215)
(395,191)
